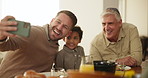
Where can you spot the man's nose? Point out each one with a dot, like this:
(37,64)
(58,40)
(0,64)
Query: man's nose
(106,26)
(60,27)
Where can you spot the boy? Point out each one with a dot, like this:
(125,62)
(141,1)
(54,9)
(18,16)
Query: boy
(70,56)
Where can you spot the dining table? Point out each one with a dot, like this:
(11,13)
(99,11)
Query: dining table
(137,69)
(98,74)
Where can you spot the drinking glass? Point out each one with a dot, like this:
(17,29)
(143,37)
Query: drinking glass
(121,69)
(86,64)
(57,72)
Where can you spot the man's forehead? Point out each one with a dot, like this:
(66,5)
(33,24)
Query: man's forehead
(109,18)
(64,19)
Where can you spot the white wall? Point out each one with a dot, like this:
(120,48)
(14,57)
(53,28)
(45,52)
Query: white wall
(88,14)
(37,12)
(0,8)
(110,3)
(137,13)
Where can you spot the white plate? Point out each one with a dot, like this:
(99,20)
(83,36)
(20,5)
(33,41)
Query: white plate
(47,74)
(58,74)
(127,68)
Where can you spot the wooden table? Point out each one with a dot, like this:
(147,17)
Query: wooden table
(137,69)
(77,74)
(96,74)
(129,73)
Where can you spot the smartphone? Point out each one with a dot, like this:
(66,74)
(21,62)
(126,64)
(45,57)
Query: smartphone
(23,28)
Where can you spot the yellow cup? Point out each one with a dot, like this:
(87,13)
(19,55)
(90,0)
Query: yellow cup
(86,68)
(127,74)
(86,64)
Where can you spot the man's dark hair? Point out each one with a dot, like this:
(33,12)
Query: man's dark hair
(70,14)
(78,29)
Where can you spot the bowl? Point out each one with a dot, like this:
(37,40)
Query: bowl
(105,66)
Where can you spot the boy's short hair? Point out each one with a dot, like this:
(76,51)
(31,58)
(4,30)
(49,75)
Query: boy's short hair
(78,29)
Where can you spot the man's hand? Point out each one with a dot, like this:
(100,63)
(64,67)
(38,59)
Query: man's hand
(5,26)
(129,61)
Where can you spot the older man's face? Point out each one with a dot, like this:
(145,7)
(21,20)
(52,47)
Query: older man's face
(111,27)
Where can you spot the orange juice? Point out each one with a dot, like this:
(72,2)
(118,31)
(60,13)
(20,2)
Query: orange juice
(87,68)
(119,73)
(129,74)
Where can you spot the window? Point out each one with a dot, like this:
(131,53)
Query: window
(37,12)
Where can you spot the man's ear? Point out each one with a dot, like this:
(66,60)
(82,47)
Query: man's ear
(80,41)
(52,20)
(63,39)
(120,22)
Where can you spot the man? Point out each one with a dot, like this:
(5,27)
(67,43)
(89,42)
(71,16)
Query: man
(118,42)
(37,52)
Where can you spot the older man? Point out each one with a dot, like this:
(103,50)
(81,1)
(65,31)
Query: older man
(118,42)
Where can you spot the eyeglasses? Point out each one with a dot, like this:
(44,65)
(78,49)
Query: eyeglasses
(113,10)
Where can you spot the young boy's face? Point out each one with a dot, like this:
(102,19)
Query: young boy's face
(72,40)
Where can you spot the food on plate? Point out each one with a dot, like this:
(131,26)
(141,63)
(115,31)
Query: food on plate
(119,67)
(122,68)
